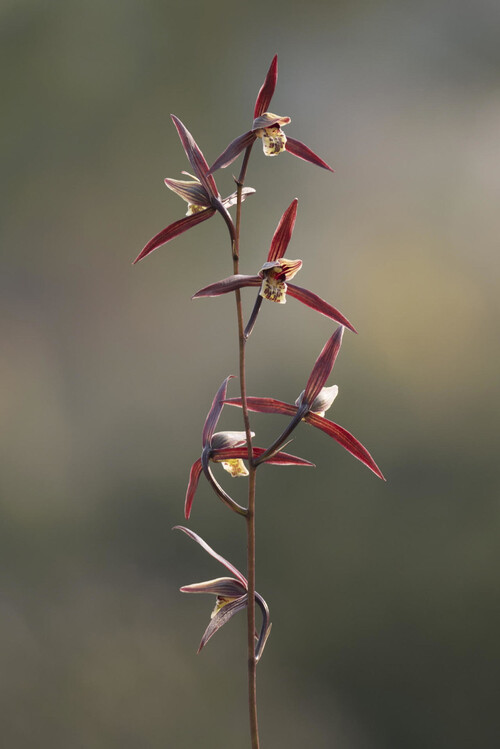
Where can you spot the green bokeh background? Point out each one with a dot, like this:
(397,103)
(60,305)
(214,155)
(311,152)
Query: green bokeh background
(384,597)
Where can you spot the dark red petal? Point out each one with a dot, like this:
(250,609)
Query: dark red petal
(228,284)
(267,89)
(323,366)
(194,477)
(284,459)
(265,405)
(233,151)
(303,152)
(173,230)
(196,158)
(344,438)
(315,302)
(212,553)
(221,617)
(283,233)
(214,413)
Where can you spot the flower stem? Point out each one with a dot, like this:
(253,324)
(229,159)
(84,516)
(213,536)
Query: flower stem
(250,514)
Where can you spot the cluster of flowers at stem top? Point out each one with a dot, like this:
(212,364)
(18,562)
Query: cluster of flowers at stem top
(230,449)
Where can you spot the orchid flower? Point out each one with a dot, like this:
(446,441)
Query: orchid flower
(231,596)
(200,193)
(229,449)
(273,278)
(267,127)
(311,405)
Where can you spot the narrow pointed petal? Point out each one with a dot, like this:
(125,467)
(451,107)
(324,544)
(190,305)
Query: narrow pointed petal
(222,616)
(265,405)
(228,284)
(227,587)
(316,302)
(346,439)
(191,191)
(323,366)
(267,89)
(214,413)
(303,152)
(233,198)
(194,477)
(280,459)
(173,230)
(213,553)
(233,151)
(283,233)
(196,158)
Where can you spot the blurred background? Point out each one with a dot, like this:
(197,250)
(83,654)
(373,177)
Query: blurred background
(384,597)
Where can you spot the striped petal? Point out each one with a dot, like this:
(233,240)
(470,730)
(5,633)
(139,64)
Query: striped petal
(173,230)
(283,233)
(196,158)
(194,477)
(221,617)
(303,152)
(228,284)
(264,405)
(213,553)
(280,459)
(233,198)
(267,89)
(233,151)
(227,587)
(317,303)
(192,191)
(214,413)
(323,366)
(346,439)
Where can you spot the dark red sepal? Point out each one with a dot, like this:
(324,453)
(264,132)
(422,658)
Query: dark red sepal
(267,89)
(196,158)
(228,284)
(283,233)
(323,366)
(264,405)
(214,413)
(173,230)
(297,148)
(233,151)
(194,477)
(283,459)
(346,439)
(317,303)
